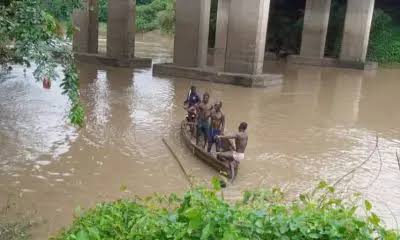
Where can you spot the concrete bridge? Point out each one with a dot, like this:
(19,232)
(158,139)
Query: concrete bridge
(240,38)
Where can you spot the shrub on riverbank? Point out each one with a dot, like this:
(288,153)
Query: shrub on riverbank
(203,214)
(155,15)
(384,44)
(150,14)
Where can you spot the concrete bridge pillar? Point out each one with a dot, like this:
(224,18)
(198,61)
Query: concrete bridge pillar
(121,29)
(247,31)
(242,31)
(221,34)
(191,32)
(85,38)
(316,20)
(357,30)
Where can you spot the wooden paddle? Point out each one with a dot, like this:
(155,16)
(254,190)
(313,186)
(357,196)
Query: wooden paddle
(179,162)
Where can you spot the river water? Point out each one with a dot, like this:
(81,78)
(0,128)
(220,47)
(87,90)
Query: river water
(320,124)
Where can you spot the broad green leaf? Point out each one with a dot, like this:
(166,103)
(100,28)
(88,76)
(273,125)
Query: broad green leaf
(368,205)
(82,235)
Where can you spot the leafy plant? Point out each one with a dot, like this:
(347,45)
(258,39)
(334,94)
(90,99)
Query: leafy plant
(147,16)
(385,39)
(166,18)
(28,34)
(150,14)
(60,9)
(202,214)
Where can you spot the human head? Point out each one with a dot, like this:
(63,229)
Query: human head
(206,97)
(193,89)
(243,127)
(218,106)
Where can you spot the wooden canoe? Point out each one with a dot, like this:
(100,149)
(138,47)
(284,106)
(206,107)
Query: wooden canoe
(221,166)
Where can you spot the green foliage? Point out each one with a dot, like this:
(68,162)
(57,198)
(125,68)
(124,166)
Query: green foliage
(150,15)
(103,10)
(384,44)
(61,9)
(28,34)
(147,16)
(285,27)
(166,17)
(202,214)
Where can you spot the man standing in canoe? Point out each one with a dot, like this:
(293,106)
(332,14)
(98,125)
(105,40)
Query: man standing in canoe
(217,127)
(192,98)
(234,157)
(204,112)
(190,104)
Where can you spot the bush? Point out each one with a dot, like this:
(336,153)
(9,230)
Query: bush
(166,18)
(150,14)
(147,16)
(203,214)
(384,46)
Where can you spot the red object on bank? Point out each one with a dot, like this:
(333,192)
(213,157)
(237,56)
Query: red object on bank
(46,83)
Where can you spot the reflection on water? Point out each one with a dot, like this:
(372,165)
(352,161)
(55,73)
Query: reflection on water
(320,124)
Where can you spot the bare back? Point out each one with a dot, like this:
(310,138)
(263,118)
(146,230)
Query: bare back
(241,140)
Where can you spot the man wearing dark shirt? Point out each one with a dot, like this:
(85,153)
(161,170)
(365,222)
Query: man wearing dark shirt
(192,98)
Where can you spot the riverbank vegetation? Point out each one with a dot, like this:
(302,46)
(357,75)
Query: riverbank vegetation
(30,35)
(150,15)
(204,214)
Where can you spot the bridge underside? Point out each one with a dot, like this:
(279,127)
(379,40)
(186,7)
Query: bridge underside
(241,33)
(120,34)
(355,39)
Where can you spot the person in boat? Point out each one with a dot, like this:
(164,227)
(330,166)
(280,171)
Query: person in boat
(190,104)
(237,155)
(204,112)
(217,127)
(193,98)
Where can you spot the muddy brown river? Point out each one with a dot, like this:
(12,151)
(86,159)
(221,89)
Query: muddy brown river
(320,124)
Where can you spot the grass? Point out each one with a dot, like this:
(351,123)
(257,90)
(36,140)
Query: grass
(15,231)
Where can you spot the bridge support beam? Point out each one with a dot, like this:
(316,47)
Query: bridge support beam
(355,36)
(247,31)
(121,29)
(191,32)
(357,29)
(315,29)
(120,35)
(221,35)
(243,36)
(85,38)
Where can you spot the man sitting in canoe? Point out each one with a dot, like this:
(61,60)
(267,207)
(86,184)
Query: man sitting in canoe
(217,127)
(234,157)
(204,112)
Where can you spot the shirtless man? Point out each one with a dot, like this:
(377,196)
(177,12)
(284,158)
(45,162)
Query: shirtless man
(204,112)
(217,127)
(237,155)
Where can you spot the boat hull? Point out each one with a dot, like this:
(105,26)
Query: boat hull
(221,166)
